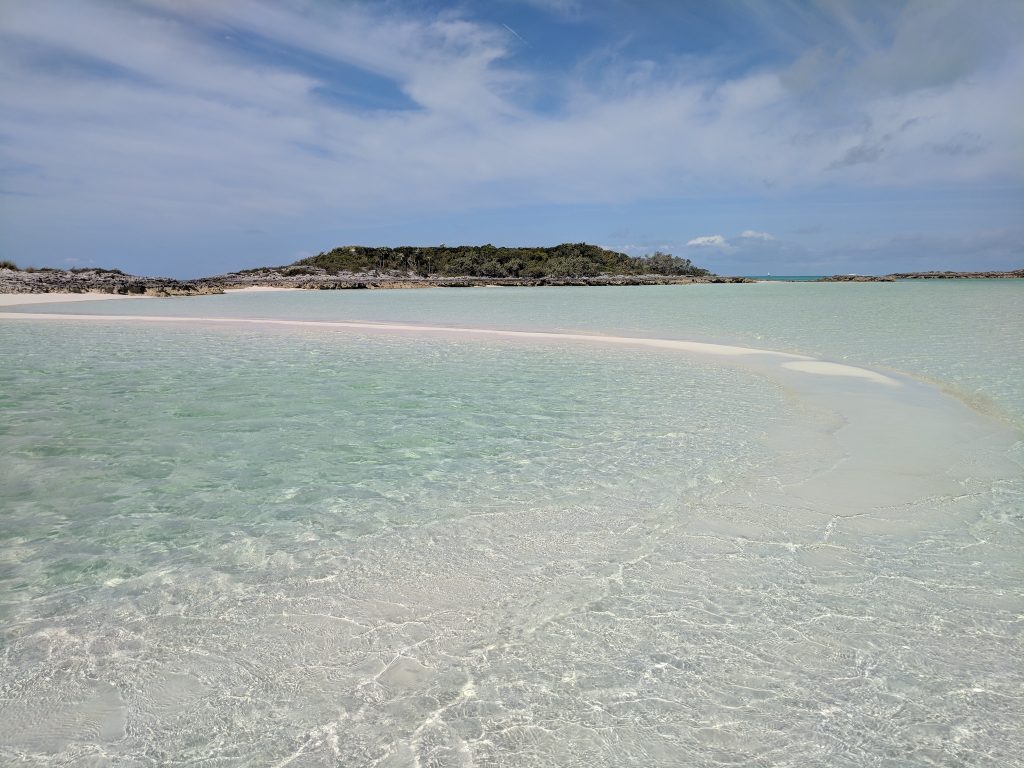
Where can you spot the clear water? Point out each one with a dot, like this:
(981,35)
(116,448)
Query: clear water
(965,335)
(301,546)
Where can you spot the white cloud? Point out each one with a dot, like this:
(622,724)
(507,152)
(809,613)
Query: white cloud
(753,234)
(708,241)
(562,7)
(190,127)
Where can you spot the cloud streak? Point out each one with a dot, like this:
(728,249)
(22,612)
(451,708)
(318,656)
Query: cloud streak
(178,113)
(708,241)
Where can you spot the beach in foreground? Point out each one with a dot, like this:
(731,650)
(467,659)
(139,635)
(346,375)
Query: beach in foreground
(494,527)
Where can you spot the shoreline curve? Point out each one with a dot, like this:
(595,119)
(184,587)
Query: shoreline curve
(789,360)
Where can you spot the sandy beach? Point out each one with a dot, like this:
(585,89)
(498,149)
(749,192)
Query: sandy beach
(17,299)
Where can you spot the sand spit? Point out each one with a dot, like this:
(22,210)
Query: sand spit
(898,439)
(19,299)
(790,361)
(838,369)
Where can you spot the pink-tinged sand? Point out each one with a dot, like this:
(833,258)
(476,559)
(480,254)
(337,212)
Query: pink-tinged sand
(17,299)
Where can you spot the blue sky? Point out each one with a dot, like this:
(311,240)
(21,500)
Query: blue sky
(191,137)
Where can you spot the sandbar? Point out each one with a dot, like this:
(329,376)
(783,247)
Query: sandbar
(823,368)
(17,299)
(793,362)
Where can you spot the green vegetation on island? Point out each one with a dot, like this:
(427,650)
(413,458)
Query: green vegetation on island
(566,260)
(352,267)
(442,266)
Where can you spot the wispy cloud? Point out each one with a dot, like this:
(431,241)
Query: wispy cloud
(751,234)
(708,241)
(249,110)
(561,7)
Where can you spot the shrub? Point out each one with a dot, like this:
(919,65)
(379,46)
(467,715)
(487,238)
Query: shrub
(565,260)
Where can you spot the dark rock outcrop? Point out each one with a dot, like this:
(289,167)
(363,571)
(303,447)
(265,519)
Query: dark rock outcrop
(856,279)
(1017,273)
(319,279)
(891,278)
(115,282)
(97,281)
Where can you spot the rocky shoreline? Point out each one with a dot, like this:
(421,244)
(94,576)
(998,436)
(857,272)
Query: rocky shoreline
(947,275)
(322,280)
(118,283)
(98,281)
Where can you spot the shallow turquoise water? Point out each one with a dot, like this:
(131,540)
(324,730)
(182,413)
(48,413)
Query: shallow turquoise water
(963,334)
(262,546)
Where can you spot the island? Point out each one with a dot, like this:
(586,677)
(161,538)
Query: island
(356,267)
(463,266)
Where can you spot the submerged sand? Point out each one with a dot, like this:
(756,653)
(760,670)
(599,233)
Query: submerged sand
(809,600)
(877,409)
(800,363)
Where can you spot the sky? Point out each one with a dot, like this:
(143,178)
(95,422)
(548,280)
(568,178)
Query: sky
(195,137)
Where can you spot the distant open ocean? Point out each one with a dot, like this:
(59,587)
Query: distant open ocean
(234,542)
(787,278)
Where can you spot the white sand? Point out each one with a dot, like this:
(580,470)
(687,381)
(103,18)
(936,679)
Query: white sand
(788,360)
(15,299)
(838,369)
(686,346)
